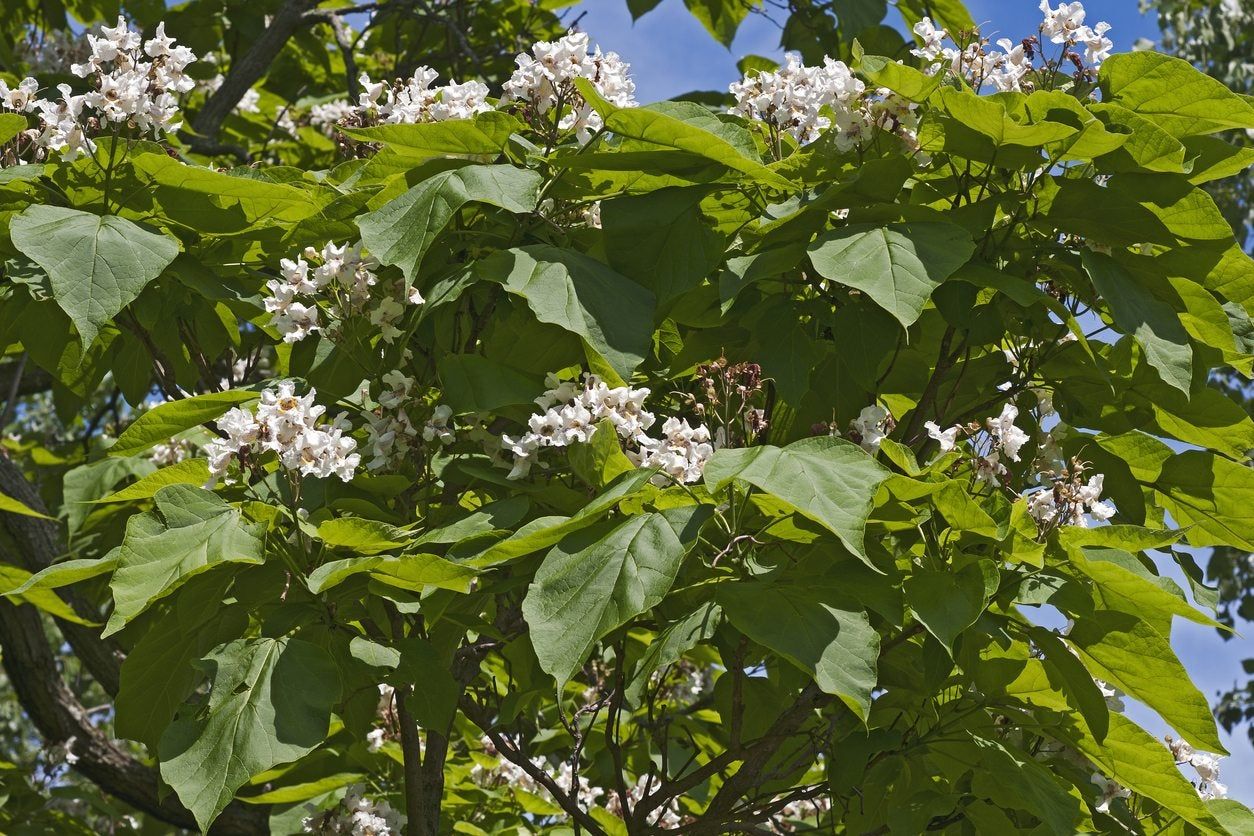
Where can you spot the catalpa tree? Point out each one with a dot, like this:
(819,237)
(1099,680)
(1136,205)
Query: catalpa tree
(525,459)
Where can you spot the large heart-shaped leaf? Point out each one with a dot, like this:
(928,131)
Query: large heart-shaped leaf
(96,265)
(898,265)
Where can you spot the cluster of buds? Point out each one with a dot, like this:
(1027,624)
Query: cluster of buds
(728,398)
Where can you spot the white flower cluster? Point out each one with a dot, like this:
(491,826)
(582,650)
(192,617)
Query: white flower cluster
(544,81)
(1005,70)
(134,82)
(795,97)
(572,411)
(681,453)
(390,431)
(134,85)
(168,453)
(288,426)
(1068,501)
(326,116)
(345,279)
(414,99)
(1065,25)
(1205,764)
(357,816)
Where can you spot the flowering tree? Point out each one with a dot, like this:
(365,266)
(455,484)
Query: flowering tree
(527,458)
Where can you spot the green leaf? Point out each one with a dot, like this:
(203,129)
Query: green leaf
(947,602)
(659,128)
(163,422)
(11,124)
(829,480)
(1136,760)
(600,460)
(270,704)
(611,314)
(670,644)
(89,482)
(1034,787)
(158,672)
(814,627)
(1076,681)
(721,18)
(1211,495)
(482,136)
(474,383)
(1134,657)
(903,80)
(96,265)
(361,535)
(400,232)
(414,572)
(214,201)
(189,531)
(989,117)
(543,532)
(1124,584)
(598,579)
(68,572)
(9,505)
(186,472)
(1177,96)
(1153,322)
(18,586)
(661,240)
(897,266)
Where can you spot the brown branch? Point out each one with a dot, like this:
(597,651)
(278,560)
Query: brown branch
(477,715)
(245,72)
(39,544)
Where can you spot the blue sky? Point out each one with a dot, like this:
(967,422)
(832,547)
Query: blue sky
(671,54)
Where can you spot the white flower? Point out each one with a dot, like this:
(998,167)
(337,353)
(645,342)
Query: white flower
(439,426)
(946,438)
(1061,24)
(1043,506)
(374,739)
(1206,764)
(20,98)
(990,470)
(932,37)
(1008,437)
(1097,46)
(870,425)
(1108,791)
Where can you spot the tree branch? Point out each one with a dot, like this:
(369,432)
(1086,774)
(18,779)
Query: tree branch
(246,71)
(39,545)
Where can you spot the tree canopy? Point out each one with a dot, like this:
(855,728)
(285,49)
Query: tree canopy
(467,446)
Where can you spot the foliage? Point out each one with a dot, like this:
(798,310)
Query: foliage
(546,461)
(1215,37)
